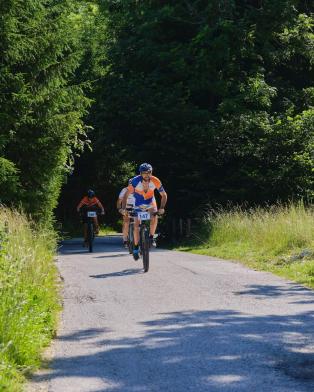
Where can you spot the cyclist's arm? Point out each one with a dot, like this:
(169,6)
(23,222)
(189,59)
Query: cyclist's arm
(163,195)
(80,205)
(100,206)
(119,203)
(125,197)
(163,201)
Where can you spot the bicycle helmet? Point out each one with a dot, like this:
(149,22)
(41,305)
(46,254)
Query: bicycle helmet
(90,193)
(144,167)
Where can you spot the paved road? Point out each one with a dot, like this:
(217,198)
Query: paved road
(192,323)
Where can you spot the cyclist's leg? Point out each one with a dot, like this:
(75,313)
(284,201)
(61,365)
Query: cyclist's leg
(136,232)
(153,223)
(126,223)
(125,229)
(96,225)
(136,235)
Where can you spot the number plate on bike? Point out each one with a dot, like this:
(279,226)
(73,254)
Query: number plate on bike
(91,214)
(143,216)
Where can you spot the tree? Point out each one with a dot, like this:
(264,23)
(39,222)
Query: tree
(41,106)
(215,94)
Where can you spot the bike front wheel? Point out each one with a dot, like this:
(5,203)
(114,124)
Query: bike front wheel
(145,248)
(90,236)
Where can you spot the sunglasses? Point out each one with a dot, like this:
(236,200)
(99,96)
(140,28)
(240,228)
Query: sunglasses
(144,173)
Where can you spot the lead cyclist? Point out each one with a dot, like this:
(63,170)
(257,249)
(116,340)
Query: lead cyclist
(143,188)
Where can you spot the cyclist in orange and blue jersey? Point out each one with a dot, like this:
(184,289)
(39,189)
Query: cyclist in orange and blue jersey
(89,202)
(143,188)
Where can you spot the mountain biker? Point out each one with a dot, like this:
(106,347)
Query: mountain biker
(143,188)
(89,203)
(129,206)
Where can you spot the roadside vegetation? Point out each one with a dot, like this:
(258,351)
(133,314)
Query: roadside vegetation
(29,296)
(279,239)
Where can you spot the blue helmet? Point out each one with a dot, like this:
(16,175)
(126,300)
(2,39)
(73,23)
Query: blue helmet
(90,193)
(145,167)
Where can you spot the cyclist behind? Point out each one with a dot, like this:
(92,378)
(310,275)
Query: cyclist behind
(126,220)
(89,203)
(143,188)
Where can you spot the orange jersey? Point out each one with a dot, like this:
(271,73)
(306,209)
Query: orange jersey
(144,194)
(86,202)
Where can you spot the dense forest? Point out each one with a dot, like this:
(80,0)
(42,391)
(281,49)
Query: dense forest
(217,95)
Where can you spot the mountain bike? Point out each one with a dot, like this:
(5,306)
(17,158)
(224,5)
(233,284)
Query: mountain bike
(88,217)
(90,229)
(144,240)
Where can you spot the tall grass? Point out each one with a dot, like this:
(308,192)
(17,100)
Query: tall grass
(279,238)
(265,232)
(28,296)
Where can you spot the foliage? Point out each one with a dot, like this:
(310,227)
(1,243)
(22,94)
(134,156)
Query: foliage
(216,95)
(41,108)
(105,167)
(28,303)
(9,181)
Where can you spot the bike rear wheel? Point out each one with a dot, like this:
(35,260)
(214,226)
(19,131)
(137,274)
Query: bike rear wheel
(90,236)
(145,248)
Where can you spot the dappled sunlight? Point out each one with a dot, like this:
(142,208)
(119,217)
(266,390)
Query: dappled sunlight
(224,379)
(204,350)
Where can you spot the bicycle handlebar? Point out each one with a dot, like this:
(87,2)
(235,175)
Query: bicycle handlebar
(133,214)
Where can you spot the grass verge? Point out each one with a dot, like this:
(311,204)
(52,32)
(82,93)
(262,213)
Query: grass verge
(29,296)
(279,239)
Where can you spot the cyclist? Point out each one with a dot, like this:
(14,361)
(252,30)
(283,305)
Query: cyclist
(89,202)
(143,188)
(129,206)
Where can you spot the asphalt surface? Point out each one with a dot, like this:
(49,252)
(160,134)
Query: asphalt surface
(192,323)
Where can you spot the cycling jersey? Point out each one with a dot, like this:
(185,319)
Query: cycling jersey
(87,202)
(130,200)
(144,191)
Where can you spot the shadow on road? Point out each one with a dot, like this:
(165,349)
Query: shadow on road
(265,291)
(114,255)
(81,335)
(199,351)
(126,272)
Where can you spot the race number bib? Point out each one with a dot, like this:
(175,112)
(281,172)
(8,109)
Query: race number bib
(91,214)
(143,216)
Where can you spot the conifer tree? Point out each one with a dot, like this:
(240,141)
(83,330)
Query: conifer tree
(41,108)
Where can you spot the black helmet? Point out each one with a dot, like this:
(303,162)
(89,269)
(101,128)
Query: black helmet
(90,193)
(145,167)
